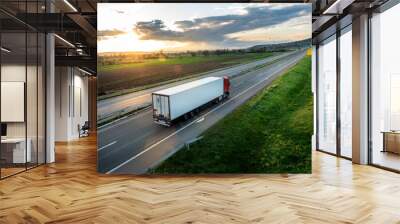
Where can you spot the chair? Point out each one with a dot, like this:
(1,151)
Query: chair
(84,130)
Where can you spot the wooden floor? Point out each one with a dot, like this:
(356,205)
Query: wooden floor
(8,171)
(70,191)
(387,159)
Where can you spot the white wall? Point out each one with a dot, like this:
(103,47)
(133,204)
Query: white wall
(71,87)
(62,81)
(80,105)
(13,100)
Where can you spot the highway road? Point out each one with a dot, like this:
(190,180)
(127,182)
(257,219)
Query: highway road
(135,144)
(142,98)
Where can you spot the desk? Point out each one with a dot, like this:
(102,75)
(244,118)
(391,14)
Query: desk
(391,141)
(15,148)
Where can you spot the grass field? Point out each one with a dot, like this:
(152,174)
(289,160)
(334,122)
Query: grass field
(271,133)
(233,58)
(119,77)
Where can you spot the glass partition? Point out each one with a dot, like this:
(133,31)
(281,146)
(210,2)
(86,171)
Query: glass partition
(327,95)
(385,89)
(41,97)
(13,94)
(31,98)
(22,77)
(346,92)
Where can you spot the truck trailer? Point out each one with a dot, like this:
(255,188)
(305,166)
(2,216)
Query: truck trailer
(184,100)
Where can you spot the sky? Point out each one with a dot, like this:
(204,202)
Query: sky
(149,27)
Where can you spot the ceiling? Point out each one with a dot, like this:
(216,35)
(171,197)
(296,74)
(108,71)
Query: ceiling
(74,22)
(327,13)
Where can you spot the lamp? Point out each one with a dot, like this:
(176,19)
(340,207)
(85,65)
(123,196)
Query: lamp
(70,5)
(64,40)
(5,50)
(84,71)
(337,7)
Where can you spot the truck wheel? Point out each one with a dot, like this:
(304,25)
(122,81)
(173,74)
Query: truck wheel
(226,95)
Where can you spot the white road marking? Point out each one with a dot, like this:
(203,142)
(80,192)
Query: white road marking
(280,69)
(200,120)
(110,144)
(116,123)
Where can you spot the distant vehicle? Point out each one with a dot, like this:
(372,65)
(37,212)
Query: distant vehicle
(183,101)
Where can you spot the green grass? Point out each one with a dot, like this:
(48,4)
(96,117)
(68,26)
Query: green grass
(271,133)
(230,58)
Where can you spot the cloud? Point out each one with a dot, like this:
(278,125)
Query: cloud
(156,30)
(217,28)
(107,34)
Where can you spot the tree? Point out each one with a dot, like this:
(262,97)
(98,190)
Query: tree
(192,53)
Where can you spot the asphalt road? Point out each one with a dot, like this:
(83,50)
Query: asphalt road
(140,99)
(135,144)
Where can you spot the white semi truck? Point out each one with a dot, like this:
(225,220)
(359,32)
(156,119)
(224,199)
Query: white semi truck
(184,100)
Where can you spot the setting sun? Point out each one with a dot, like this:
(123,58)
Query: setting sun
(131,42)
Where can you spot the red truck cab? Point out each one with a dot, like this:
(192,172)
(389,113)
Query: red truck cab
(227,85)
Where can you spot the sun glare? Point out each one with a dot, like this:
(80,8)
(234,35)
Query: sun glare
(130,42)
